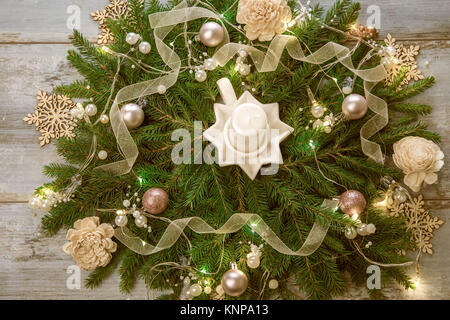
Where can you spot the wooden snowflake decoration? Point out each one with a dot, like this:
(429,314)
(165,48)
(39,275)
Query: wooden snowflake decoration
(52,117)
(420,222)
(404,57)
(115,10)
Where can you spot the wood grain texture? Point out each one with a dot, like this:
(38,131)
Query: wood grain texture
(46,21)
(33,46)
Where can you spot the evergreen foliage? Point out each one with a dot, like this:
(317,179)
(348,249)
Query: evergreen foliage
(288,201)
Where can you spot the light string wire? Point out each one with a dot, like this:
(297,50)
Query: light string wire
(163,22)
(143,66)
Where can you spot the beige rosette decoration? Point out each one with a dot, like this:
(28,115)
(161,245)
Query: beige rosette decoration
(419,159)
(90,243)
(263,18)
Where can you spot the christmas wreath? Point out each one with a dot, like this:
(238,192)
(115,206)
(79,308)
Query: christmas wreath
(234,149)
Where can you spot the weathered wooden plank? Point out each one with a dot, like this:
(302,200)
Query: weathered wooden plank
(51,21)
(27,68)
(33,266)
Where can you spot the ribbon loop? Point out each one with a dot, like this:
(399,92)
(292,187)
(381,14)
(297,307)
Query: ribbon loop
(164,22)
(236,222)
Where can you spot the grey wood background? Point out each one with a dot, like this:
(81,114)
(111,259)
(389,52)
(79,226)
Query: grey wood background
(33,45)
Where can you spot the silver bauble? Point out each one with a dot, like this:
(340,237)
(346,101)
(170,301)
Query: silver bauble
(354,106)
(132,115)
(211,34)
(234,282)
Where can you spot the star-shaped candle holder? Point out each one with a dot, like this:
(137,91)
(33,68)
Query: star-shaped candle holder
(247,133)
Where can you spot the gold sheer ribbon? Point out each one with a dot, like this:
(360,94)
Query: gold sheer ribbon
(266,62)
(234,224)
(164,22)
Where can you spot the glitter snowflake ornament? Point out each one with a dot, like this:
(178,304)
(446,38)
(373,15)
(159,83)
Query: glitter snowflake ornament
(419,221)
(246,133)
(115,10)
(52,117)
(403,57)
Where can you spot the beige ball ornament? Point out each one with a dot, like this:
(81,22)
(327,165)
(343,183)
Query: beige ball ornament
(132,115)
(354,107)
(211,34)
(234,282)
(155,200)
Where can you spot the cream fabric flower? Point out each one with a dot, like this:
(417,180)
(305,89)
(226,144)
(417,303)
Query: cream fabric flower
(90,243)
(263,18)
(419,159)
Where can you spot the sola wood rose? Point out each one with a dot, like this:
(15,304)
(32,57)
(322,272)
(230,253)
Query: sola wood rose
(263,18)
(419,159)
(90,243)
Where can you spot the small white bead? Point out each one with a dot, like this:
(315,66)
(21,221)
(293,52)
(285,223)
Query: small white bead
(242,53)
(102,154)
(347,90)
(371,228)
(161,89)
(273,284)
(126,203)
(104,119)
(244,69)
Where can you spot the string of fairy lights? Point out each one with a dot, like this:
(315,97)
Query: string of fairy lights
(198,63)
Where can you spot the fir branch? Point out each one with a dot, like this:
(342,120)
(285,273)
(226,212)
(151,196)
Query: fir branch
(129,269)
(97,276)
